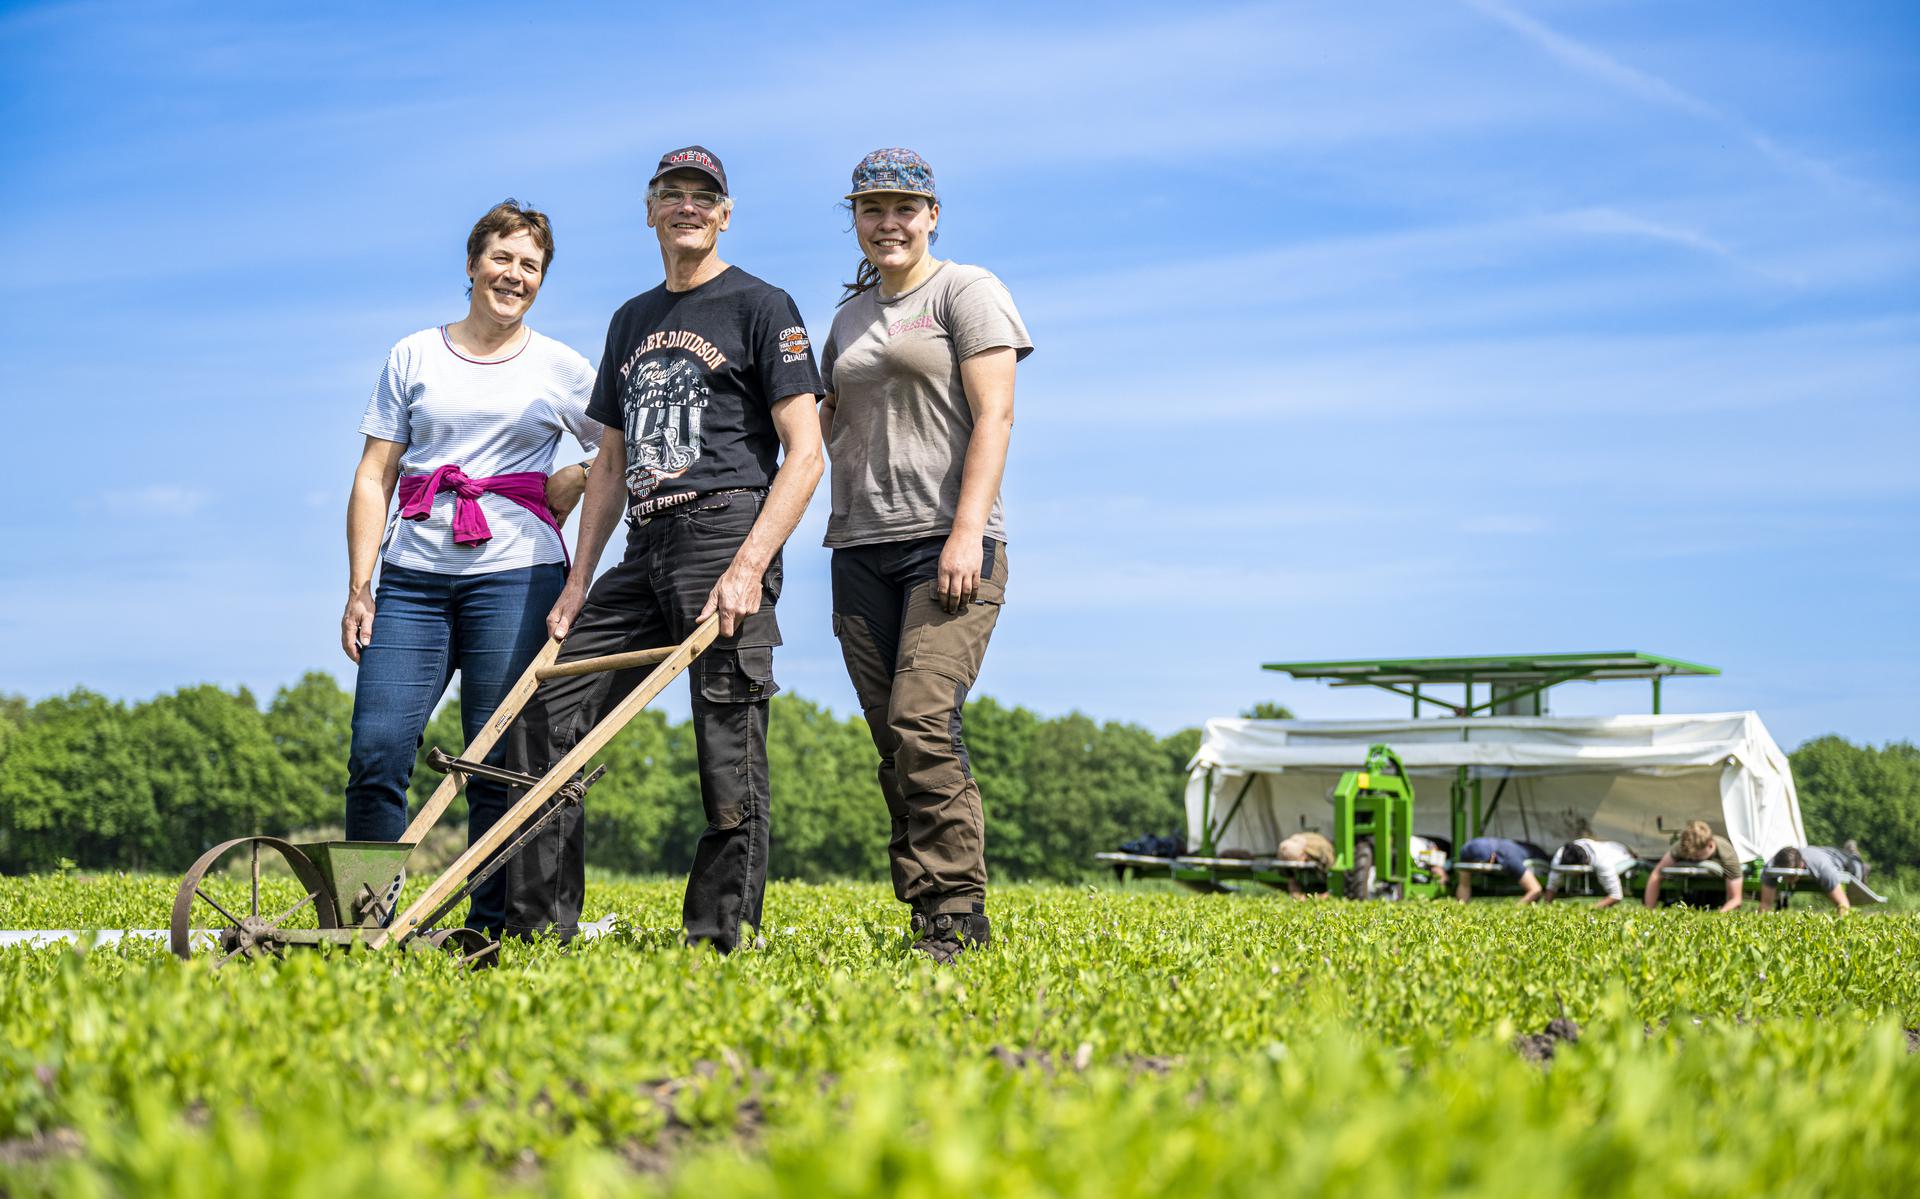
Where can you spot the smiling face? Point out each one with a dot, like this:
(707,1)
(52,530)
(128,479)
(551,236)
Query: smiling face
(682,225)
(506,277)
(894,228)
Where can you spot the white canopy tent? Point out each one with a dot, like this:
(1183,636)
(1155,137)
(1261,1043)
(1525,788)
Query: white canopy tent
(1545,779)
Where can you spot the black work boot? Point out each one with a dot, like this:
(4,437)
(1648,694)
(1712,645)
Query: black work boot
(946,936)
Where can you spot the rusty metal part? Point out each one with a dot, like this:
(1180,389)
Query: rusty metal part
(438,759)
(471,948)
(570,792)
(527,807)
(254,933)
(482,743)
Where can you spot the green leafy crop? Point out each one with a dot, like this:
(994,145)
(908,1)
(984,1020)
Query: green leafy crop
(1111,1043)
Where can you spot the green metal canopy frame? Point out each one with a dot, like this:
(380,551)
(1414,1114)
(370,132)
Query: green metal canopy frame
(1508,677)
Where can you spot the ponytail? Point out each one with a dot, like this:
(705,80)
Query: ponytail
(865,280)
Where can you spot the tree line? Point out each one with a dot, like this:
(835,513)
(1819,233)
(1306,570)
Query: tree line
(103,784)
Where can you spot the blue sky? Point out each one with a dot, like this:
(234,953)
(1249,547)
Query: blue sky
(1396,328)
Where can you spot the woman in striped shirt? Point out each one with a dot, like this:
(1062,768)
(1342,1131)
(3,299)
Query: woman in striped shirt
(465,420)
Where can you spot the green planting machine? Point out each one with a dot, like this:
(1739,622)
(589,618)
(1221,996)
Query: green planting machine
(1373,833)
(1479,727)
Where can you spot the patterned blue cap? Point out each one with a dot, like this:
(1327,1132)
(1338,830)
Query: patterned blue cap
(893,170)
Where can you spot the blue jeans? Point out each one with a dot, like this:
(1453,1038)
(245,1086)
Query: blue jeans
(426,626)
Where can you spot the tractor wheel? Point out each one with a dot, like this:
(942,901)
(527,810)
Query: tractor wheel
(1359,880)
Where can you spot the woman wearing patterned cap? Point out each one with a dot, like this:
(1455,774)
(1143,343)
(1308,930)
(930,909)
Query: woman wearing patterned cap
(919,371)
(464,420)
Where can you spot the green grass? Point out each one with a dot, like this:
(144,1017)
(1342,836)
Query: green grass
(1112,1043)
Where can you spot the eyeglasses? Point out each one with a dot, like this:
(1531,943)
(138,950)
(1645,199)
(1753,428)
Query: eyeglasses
(673,197)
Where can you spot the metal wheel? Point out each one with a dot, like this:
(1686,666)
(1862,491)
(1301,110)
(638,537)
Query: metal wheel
(242,929)
(1359,881)
(471,948)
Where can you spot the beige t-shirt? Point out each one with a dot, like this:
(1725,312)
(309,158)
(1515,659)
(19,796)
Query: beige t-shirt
(901,422)
(1306,847)
(1721,857)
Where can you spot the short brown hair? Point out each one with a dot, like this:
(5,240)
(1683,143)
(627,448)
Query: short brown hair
(1696,841)
(1789,859)
(505,219)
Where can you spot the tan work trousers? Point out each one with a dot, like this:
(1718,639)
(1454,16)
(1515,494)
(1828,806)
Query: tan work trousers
(912,664)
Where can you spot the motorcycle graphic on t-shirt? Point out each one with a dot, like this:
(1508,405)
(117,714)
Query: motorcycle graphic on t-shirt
(663,400)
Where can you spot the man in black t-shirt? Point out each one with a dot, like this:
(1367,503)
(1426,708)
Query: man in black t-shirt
(708,376)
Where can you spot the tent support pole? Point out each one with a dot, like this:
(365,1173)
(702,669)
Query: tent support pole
(1213,834)
(1206,814)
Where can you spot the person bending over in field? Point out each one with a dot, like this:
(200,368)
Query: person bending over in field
(1430,854)
(1831,870)
(1305,847)
(1510,856)
(1606,858)
(1697,845)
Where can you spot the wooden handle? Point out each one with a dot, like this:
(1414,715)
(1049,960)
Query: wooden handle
(513,819)
(638,657)
(503,716)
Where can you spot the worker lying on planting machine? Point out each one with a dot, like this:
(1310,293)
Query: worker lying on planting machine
(1697,845)
(1305,847)
(1831,870)
(1430,854)
(1606,861)
(1510,856)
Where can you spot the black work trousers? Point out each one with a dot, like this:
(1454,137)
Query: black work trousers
(912,663)
(654,598)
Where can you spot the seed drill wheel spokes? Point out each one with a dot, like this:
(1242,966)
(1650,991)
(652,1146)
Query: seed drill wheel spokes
(245,929)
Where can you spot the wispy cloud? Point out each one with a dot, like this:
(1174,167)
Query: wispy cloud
(1611,221)
(1370,262)
(1597,64)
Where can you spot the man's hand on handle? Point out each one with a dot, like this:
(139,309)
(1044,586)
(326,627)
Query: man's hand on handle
(735,597)
(566,609)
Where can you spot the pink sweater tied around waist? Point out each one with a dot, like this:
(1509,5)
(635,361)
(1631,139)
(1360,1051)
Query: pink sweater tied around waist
(527,488)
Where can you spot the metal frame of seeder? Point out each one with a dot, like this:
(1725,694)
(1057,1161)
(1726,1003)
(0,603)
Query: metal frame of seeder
(353,887)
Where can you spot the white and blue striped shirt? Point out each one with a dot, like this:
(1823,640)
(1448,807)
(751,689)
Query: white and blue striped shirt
(496,417)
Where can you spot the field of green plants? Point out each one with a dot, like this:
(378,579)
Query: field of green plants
(1111,1043)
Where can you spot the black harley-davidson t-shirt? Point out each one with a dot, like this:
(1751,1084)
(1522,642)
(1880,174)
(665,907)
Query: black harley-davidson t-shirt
(692,377)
